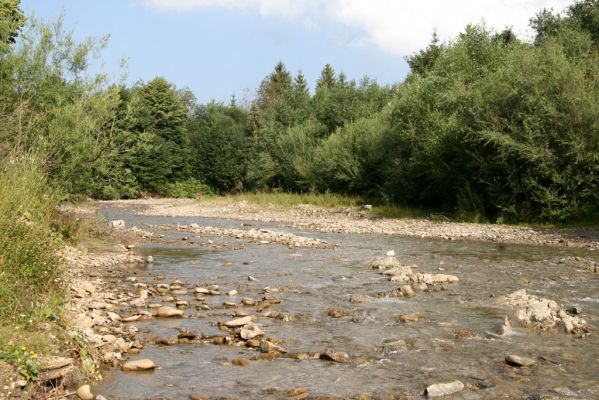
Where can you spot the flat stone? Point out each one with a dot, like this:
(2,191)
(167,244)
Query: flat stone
(518,361)
(240,362)
(235,323)
(167,312)
(139,365)
(444,389)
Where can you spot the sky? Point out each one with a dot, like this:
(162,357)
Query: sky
(220,48)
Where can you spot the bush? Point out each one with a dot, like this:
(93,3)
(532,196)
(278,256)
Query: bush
(190,188)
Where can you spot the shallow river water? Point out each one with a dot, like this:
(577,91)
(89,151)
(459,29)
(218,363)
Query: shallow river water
(388,359)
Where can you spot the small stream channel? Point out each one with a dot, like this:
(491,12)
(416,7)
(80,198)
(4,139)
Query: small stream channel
(388,359)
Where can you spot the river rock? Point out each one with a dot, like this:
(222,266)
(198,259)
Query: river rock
(269,347)
(542,313)
(85,393)
(246,301)
(167,312)
(386,262)
(444,389)
(336,313)
(517,361)
(250,331)
(407,291)
(332,355)
(232,292)
(358,298)
(238,322)
(117,224)
(413,317)
(504,328)
(240,362)
(139,365)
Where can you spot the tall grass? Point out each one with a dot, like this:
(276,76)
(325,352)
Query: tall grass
(28,264)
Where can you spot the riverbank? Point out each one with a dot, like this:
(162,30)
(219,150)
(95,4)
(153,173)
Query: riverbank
(359,220)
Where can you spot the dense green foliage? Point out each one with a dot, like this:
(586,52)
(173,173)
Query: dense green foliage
(484,125)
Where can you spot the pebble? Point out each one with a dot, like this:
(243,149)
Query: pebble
(85,393)
(518,361)
(444,389)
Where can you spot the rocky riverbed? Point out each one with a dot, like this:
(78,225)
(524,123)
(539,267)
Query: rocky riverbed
(360,221)
(190,307)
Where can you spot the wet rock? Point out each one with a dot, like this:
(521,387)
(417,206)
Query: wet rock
(465,334)
(413,317)
(335,313)
(250,331)
(252,279)
(240,362)
(517,361)
(504,328)
(139,365)
(358,298)
(232,292)
(202,290)
(235,323)
(269,347)
(254,343)
(149,259)
(167,341)
(298,394)
(85,393)
(168,312)
(444,389)
(386,262)
(248,302)
(332,355)
(179,292)
(407,291)
(100,397)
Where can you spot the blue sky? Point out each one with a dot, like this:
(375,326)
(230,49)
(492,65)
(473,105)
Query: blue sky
(222,47)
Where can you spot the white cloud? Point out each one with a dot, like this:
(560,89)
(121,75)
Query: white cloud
(395,26)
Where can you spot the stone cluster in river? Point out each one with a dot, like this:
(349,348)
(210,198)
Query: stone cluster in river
(542,313)
(412,281)
(580,263)
(260,236)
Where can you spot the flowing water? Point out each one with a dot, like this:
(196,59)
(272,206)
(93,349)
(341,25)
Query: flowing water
(389,359)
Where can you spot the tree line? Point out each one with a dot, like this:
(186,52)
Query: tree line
(485,124)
